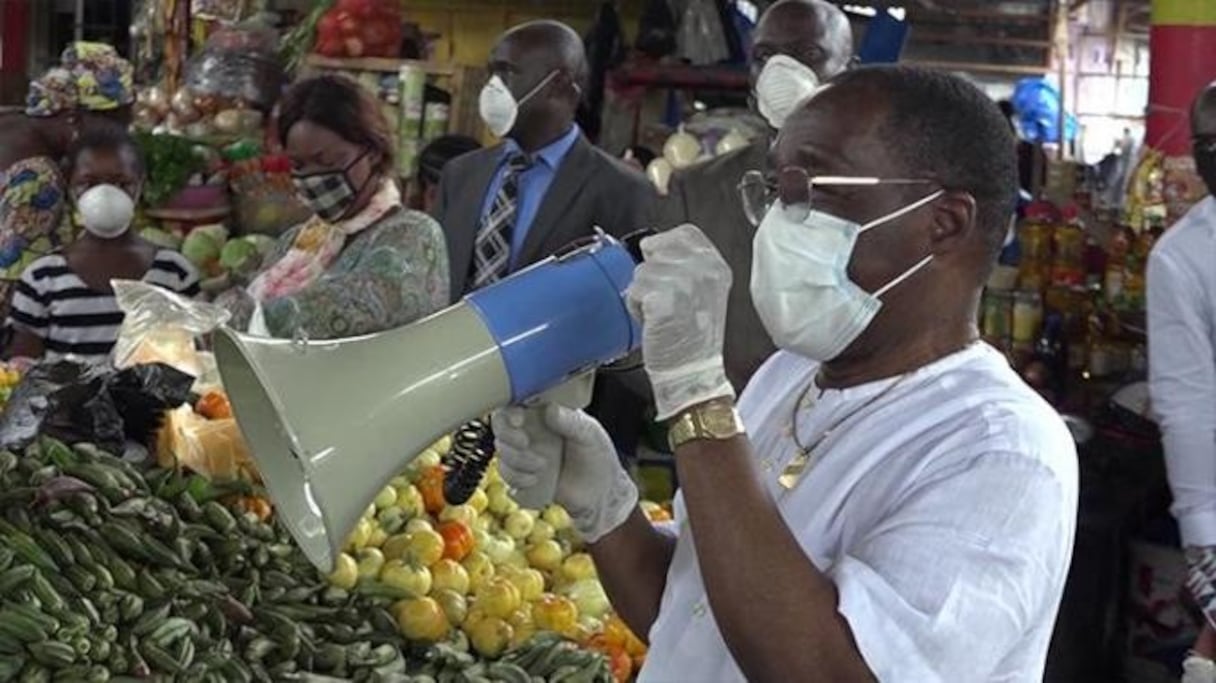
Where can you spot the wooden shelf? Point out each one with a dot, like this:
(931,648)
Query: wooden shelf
(1026,70)
(681,76)
(927,37)
(379,64)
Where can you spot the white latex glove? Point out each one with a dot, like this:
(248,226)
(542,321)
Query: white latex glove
(1197,669)
(592,486)
(679,295)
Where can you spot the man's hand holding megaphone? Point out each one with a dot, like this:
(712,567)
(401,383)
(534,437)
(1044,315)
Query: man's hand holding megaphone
(679,295)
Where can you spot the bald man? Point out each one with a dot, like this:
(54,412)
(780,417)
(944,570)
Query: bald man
(811,34)
(543,187)
(1182,377)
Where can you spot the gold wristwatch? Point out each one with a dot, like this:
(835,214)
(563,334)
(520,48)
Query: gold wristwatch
(716,420)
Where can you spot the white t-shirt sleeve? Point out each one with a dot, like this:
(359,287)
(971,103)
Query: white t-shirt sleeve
(950,582)
(1182,383)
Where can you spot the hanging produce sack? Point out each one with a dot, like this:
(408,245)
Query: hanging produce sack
(161,327)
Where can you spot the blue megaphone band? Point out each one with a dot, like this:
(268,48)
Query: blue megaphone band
(561,316)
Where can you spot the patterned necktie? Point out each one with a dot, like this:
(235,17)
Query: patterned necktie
(492,247)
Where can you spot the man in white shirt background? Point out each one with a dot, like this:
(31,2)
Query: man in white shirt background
(1182,378)
(894,503)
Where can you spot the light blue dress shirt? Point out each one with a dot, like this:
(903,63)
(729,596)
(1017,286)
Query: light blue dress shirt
(533,185)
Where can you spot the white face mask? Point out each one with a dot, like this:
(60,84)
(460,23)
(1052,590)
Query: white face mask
(784,83)
(106,211)
(499,108)
(800,281)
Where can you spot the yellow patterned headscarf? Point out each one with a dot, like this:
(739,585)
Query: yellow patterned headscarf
(91,76)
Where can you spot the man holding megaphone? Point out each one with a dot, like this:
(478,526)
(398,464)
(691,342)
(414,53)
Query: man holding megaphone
(889,501)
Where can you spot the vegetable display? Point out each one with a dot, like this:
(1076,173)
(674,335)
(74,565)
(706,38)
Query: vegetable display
(109,571)
(360,28)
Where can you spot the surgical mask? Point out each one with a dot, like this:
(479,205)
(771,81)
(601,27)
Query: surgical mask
(105,211)
(499,108)
(329,194)
(784,83)
(800,282)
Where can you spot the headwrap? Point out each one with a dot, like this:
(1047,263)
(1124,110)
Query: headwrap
(91,76)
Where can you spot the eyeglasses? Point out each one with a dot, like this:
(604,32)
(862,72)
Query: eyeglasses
(758,192)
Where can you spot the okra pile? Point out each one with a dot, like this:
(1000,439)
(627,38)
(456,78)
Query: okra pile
(109,572)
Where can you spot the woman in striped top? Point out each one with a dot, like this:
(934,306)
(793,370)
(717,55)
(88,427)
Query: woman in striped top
(64,305)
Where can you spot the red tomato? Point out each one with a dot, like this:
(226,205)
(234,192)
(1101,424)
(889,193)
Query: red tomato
(327,26)
(348,25)
(330,46)
(354,47)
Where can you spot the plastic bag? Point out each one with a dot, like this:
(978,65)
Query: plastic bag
(75,402)
(161,326)
(1037,104)
(701,38)
(214,448)
(239,63)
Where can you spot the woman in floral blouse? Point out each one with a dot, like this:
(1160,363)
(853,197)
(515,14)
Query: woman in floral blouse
(91,85)
(364,263)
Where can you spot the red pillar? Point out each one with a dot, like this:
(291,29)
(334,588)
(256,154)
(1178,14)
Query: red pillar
(1182,51)
(15,22)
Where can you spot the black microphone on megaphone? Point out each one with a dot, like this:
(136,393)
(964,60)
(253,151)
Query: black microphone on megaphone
(329,422)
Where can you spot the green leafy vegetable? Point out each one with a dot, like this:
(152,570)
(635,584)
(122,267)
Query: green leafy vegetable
(171,160)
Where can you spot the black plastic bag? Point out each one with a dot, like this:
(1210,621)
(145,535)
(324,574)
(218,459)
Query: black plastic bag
(656,30)
(75,402)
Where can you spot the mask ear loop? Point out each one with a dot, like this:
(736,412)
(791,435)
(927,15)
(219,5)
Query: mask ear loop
(906,274)
(902,212)
(543,82)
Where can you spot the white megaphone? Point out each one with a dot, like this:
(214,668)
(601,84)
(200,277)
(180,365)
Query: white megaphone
(330,422)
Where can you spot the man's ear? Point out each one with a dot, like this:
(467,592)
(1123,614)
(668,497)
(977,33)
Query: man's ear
(953,221)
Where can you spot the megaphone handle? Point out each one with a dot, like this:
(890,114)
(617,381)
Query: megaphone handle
(549,446)
(574,393)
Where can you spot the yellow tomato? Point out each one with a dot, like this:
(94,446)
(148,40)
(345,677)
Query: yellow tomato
(490,636)
(424,548)
(358,537)
(521,622)
(519,524)
(413,581)
(479,568)
(557,517)
(346,572)
(455,607)
(530,582)
(385,498)
(409,500)
(461,513)
(425,460)
(395,546)
(546,556)
(449,575)
(579,566)
(474,615)
(378,537)
(419,524)
(371,561)
(541,531)
(500,502)
(478,501)
(421,619)
(555,613)
(498,597)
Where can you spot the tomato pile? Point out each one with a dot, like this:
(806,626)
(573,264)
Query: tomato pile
(488,569)
(360,28)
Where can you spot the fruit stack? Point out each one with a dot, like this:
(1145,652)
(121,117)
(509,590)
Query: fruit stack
(488,569)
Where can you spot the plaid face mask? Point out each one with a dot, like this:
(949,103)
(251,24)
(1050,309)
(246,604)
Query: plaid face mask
(328,193)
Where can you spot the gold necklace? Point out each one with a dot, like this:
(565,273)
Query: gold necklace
(805,458)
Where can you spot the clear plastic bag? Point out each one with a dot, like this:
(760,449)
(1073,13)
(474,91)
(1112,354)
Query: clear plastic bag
(161,327)
(240,63)
(700,38)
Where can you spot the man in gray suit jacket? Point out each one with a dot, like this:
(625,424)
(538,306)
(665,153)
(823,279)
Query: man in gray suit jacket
(817,35)
(545,186)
